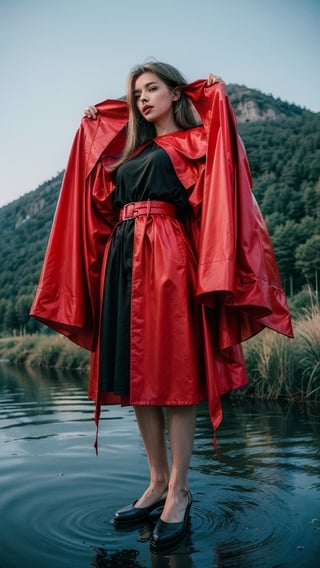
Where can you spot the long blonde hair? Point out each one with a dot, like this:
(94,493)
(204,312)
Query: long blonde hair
(140,130)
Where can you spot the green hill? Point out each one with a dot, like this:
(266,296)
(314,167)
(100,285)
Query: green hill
(283,146)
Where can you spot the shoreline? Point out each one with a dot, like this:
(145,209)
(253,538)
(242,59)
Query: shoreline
(277,366)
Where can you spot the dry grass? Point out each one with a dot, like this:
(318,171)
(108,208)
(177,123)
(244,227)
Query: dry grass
(281,367)
(44,351)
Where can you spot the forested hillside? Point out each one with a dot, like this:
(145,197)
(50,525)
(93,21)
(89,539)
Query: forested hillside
(283,146)
(24,230)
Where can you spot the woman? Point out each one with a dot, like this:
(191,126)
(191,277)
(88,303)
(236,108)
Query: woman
(159,262)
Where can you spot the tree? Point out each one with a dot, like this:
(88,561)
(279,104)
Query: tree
(22,311)
(11,323)
(311,198)
(308,259)
(285,240)
(274,220)
(3,311)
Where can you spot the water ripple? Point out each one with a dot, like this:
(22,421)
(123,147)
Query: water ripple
(256,503)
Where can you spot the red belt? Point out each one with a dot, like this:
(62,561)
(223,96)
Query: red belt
(151,207)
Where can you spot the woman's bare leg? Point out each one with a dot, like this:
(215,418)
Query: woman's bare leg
(181,424)
(152,428)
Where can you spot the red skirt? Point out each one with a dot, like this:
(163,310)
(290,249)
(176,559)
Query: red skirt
(150,345)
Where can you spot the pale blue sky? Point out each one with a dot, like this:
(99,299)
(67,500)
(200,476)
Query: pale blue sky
(58,56)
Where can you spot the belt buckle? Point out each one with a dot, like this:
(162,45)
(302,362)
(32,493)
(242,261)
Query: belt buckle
(130,210)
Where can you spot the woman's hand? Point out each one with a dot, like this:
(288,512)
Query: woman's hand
(212,79)
(90,112)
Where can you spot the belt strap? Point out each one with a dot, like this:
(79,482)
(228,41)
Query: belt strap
(150,207)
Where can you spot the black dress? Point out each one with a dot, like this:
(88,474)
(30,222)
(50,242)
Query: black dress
(150,175)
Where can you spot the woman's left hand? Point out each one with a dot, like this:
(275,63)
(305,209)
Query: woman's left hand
(212,79)
(90,112)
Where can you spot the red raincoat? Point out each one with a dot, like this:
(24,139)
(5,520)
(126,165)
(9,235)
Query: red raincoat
(237,280)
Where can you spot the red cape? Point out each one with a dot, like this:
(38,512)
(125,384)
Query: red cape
(238,283)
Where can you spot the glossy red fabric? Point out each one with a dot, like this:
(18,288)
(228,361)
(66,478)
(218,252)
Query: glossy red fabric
(237,284)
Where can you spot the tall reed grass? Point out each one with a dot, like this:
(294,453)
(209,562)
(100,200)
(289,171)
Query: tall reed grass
(279,367)
(44,351)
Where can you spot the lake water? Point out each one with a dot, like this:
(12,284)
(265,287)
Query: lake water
(256,503)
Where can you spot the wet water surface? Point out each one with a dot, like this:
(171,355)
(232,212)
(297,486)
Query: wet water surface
(256,503)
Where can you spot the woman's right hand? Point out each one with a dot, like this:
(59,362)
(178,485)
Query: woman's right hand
(90,112)
(212,79)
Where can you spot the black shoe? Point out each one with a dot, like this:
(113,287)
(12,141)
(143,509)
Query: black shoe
(166,535)
(131,515)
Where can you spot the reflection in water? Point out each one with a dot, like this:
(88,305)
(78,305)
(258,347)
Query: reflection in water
(256,503)
(126,558)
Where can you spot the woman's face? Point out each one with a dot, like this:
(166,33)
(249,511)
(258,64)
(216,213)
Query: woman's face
(154,99)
